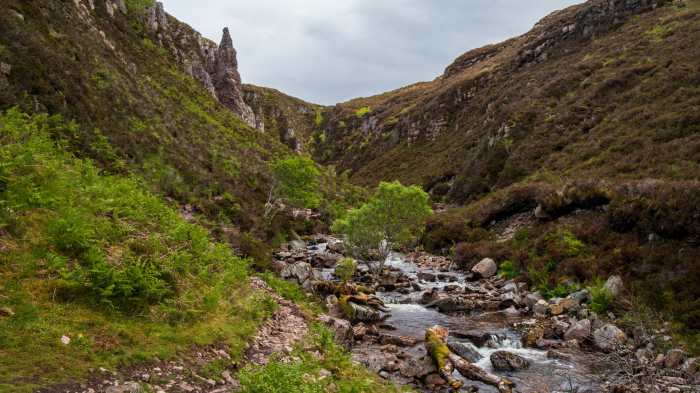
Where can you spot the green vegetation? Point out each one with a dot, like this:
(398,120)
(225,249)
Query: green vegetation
(139,6)
(296,182)
(308,373)
(345,269)
(361,112)
(292,291)
(508,270)
(601,297)
(104,262)
(393,217)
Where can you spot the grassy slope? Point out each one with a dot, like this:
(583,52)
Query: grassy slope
(138,112)
(100,260)
(621,105)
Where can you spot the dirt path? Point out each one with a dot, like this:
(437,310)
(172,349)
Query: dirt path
(279,334)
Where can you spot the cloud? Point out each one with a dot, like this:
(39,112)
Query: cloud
(328,51)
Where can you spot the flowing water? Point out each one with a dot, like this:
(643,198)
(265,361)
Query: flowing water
(409,318)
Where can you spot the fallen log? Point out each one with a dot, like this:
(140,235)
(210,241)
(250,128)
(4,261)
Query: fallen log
(447,361)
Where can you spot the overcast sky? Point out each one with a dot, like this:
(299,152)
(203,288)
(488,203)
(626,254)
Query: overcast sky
(329,51)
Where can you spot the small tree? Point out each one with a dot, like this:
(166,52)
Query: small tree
(393,217)
(295,183)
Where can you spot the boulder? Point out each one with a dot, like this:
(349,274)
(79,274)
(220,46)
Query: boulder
(579,296)
(477,338)
(614,285)
(466,350)
(532,298)
(296,245)
(510,299)
(453,304)
(580,331)
(508,361)
(327,259)
(609,337)
(341,328)
(532,334)
(675,358)
(359,331)
(300,271)
(486,268)
(415,367)
(540,308)
(399,341)
(336,246)
(556,309)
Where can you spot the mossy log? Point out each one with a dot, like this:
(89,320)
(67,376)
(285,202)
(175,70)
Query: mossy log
(447,361)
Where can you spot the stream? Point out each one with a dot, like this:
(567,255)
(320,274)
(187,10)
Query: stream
(409,317)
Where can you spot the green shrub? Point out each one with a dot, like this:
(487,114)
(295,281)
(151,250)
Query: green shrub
(601,297)
(345,269)
(295,182)
(139,6)
(124,247)
(508,270)
(361,112)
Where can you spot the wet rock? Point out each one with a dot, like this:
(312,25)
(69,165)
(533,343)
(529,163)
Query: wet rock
(532,334)
(508,361)
(359,331)
(485,269)
(541,308)
(452,288)
(510,299)
(609,337)
(429,277)
(430,296)
(477,338)
(417,367)
(675,358)
(532,298)
(510,287)
(399,341)
(416,287)
(580,331)
(126,387)
(559,355)
(453,304)
(614,285)
(300,271)
(560,327)
(465,350)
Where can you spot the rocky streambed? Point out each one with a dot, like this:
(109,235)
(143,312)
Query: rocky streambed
(507,331)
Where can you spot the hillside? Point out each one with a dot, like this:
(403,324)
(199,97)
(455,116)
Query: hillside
(165,227)
(595,90)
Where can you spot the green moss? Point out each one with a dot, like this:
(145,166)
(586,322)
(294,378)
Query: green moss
(139,6)
(361,112)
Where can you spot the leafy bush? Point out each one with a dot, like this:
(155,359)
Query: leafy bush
(346,269)
(121,246)
(361,112)
(508,270)
(394,217)
(601,297)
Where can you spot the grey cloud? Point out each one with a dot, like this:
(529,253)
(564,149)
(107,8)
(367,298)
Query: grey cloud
(329,51)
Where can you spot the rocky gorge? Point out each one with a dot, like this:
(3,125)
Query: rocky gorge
(512,338)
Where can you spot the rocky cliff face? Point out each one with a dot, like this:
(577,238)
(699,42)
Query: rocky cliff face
(215,66)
